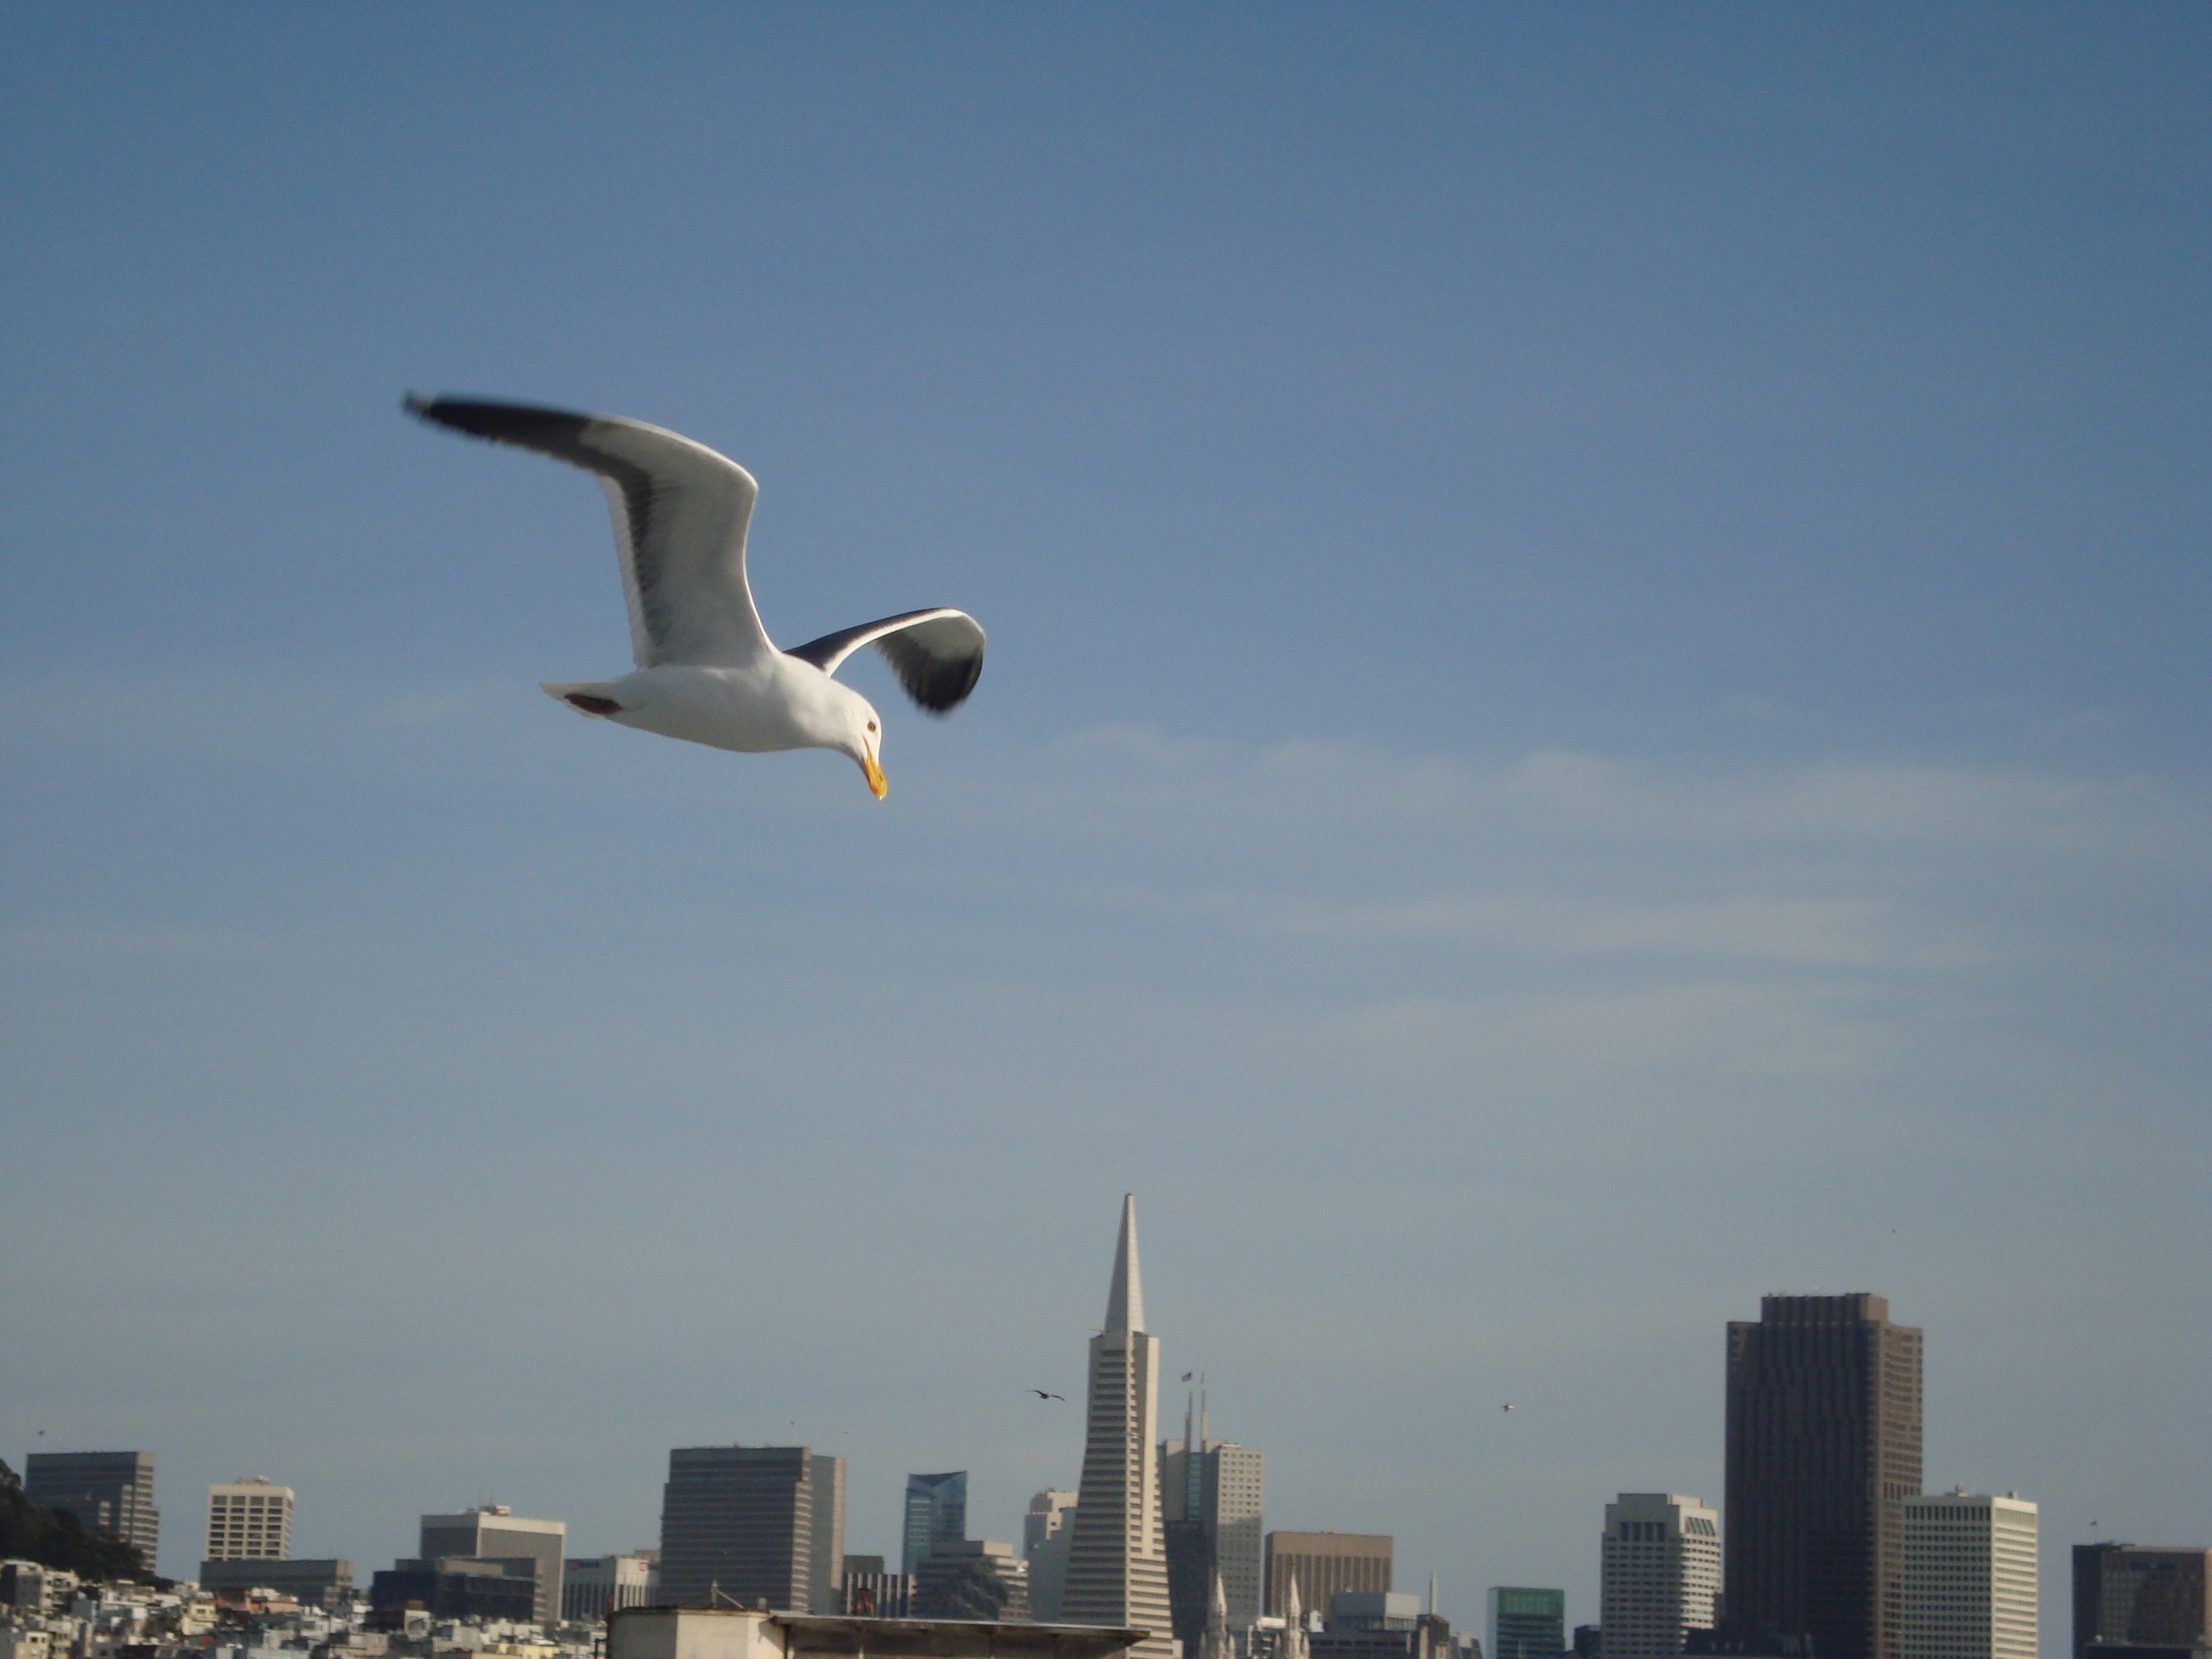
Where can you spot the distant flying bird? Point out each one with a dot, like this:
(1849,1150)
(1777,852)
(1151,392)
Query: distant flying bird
(706,670)
(1041,1395)
(1509,1408)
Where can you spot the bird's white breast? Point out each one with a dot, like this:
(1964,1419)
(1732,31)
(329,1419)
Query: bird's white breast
(754,710)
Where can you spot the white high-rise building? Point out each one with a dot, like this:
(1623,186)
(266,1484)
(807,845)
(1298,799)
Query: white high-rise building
(1117,1560)
(1970,1577)
(249,1521)
(1660,1570)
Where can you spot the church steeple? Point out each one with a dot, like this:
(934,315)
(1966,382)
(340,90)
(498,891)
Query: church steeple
(1125,1301)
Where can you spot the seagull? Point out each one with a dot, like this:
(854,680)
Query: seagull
(706,670)
(1041,1395)
(1509,1408)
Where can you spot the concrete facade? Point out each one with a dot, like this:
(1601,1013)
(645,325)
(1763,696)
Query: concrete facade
(1969,1577)
(249,1521)
(1659,1572)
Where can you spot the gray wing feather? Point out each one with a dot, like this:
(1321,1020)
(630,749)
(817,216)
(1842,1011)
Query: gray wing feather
(937,655)
(680,513)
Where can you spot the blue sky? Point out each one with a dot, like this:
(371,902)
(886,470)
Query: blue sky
(1596,706)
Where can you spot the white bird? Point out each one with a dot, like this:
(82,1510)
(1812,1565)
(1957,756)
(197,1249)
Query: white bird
(706,670)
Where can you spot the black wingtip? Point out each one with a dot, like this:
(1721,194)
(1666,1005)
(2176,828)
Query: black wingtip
(554,431)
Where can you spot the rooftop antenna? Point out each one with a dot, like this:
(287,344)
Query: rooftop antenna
(1193,1474)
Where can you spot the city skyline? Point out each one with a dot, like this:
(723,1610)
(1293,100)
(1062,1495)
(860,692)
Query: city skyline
(1817,1349)
(1595,710)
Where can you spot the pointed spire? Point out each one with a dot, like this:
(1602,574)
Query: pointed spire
(1124,1303)
(1215,1643)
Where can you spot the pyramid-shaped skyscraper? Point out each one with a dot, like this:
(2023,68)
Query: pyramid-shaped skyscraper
(1117,1558)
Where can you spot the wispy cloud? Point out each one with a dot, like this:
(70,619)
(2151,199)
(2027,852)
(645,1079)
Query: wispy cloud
(1832,931)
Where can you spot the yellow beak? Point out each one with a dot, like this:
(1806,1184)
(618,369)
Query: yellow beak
(875,775)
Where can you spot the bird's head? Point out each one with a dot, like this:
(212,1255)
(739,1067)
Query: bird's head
(862,734)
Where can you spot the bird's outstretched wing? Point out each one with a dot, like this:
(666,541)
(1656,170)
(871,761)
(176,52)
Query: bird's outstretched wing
(680,512)
(937,655)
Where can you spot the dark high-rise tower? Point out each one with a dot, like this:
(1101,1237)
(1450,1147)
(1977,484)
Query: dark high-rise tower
(752,1524)
(1823,1449)
(2126,1595)
(108,1491)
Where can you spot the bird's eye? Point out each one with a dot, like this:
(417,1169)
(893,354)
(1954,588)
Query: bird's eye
(872,726)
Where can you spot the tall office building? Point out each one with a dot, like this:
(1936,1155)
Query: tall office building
(1325,1565)
(1117,1567)
(1659,1571)
(494,1534)
(2139,1597)
(936,1513)
(1969,1577)
(1047,1531)
(111,1493)
(752,1524)
(1210,1498)
(249,1521)
(1527,1624)
(1823,1449)
(826,1556)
